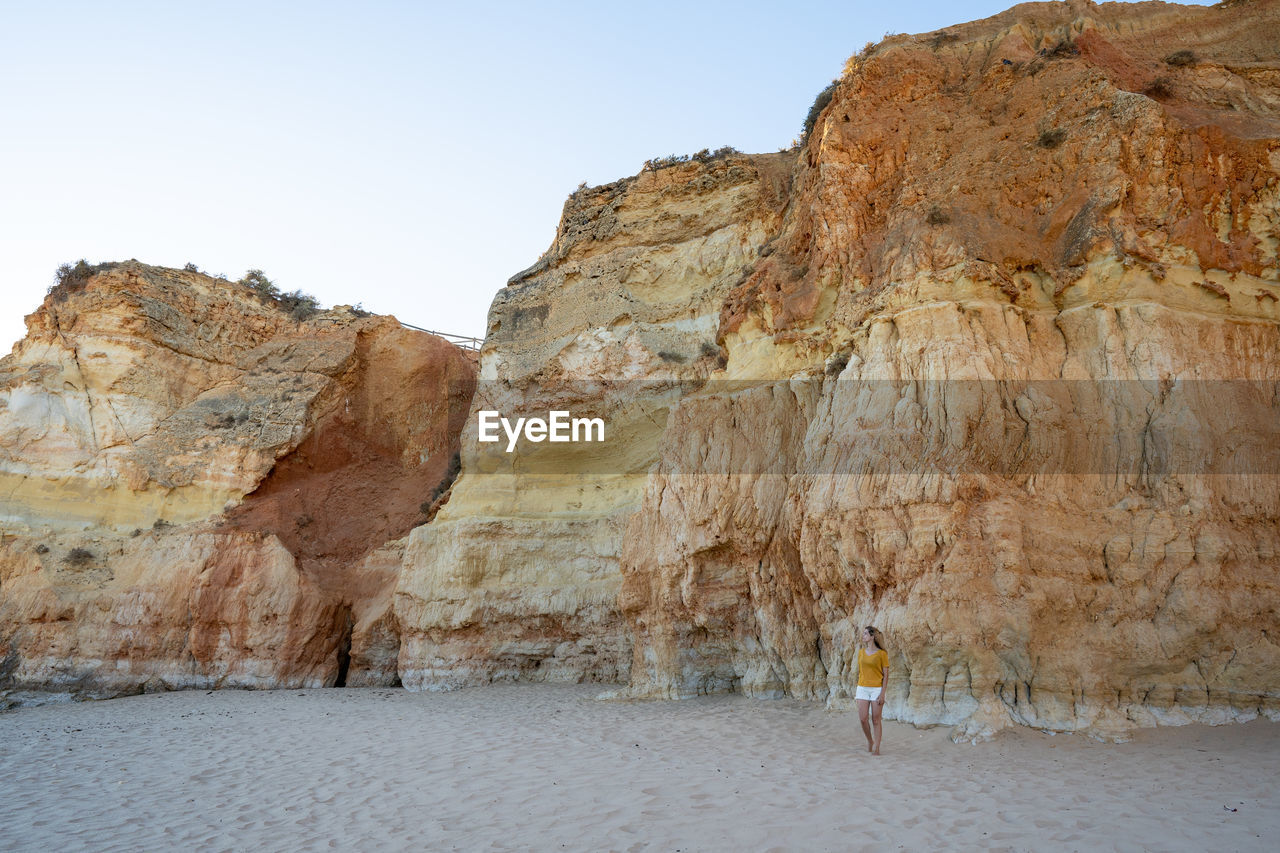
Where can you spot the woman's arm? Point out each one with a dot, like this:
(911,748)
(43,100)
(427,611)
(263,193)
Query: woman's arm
(884,682)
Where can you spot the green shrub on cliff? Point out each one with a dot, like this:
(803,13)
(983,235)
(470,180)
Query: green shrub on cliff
(819,104)
(257,281)
(71,278)
(657,163)
(706,155)
(297,304)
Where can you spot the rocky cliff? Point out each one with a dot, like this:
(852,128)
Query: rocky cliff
(519,575)
(195,486)
(990,362)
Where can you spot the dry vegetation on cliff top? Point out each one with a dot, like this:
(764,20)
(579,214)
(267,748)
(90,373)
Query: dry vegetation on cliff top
(72,278)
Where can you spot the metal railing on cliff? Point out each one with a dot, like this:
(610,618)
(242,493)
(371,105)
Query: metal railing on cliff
(464,341)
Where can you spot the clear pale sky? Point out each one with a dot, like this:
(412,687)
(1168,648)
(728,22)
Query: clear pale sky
(407,156)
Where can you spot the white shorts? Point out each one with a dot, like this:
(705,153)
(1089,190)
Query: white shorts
(871,694)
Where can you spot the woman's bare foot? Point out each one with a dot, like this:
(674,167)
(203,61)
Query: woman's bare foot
(871,747)
(875,751)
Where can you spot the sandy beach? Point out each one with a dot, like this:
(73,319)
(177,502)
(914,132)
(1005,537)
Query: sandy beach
(544,767)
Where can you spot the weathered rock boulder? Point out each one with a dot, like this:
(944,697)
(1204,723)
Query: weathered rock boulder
(196,485)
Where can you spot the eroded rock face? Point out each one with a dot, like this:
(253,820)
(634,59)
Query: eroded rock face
(990,362)
(992,366)
(518,576)
(197,486)
(1022,322)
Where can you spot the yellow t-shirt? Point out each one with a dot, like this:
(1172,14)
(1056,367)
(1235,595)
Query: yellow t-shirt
(871,667)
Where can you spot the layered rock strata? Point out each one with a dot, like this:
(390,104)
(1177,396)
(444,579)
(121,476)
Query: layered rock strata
(196,486)
(992,366)
(518,576)
(1025,306)
(989,361)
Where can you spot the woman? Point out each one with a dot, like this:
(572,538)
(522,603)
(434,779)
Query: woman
(873,678)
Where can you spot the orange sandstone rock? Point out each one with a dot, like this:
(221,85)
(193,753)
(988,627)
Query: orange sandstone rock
(197,486)
(1013,329)
(989,362)
(518,576)
(992,366)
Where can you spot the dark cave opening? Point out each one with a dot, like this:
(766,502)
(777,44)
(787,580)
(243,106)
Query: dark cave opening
(344,647)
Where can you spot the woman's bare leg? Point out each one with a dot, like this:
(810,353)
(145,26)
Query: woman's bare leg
(876,710)
(864,708)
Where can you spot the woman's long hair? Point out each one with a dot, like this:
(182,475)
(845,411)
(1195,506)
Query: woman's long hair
(876,637)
